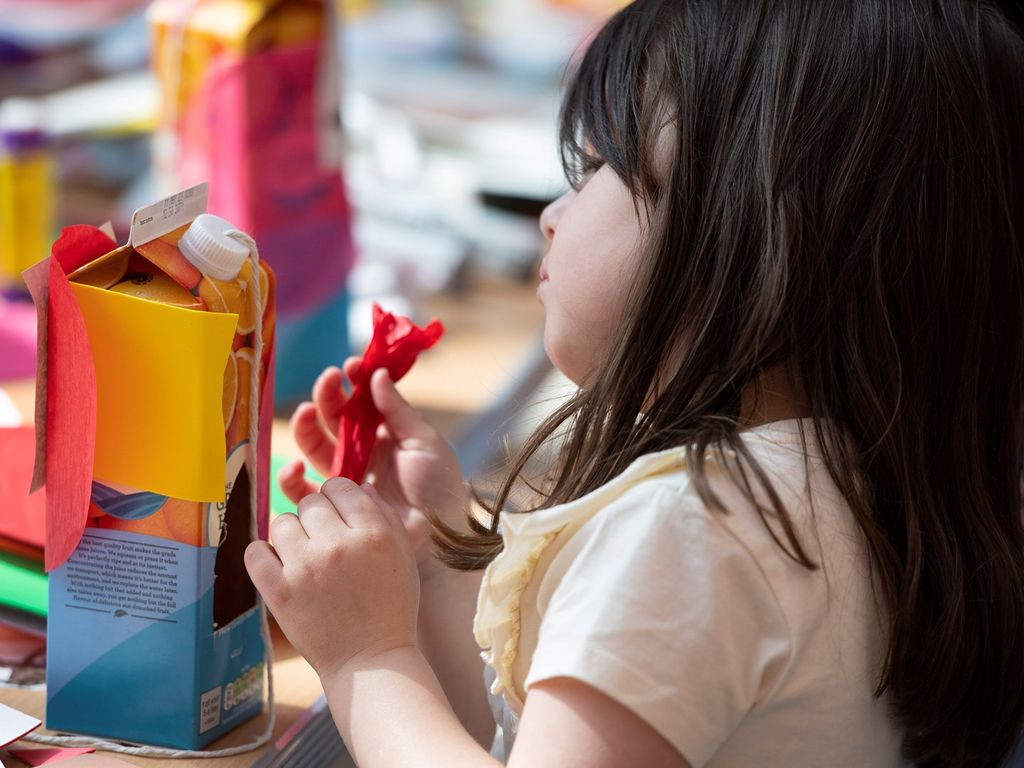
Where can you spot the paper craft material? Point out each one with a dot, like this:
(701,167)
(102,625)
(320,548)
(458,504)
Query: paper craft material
(29,623)
(181,356)
(395,344)
(18,648)
(152,496)
(23,584)
(9,414)
(48,756)
(93,760)
(17,340)
(15,724)
(22,516)
(14,547)
(65,392)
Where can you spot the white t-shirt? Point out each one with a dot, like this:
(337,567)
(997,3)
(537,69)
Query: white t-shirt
(696,620)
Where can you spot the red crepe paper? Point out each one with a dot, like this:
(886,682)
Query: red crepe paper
(65,393)
(395,345)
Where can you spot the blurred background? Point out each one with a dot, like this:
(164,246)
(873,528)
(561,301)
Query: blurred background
(391,151)
(446,144)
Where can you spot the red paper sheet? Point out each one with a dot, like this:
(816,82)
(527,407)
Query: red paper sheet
(395,345)
(66,393)
(22,517)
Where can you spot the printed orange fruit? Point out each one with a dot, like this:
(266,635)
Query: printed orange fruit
(238,428)
(230,389)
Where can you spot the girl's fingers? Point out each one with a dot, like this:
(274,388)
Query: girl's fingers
(264,568)
(288,537)
(311,438)
(354,506)
(293,482)
(329,398)
(318,516)
(386,510)
(403,421)
(351,365)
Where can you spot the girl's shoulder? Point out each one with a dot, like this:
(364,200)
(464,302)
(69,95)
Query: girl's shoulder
(641,586)
(658,490)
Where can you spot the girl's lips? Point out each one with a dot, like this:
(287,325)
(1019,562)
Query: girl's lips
(542,273)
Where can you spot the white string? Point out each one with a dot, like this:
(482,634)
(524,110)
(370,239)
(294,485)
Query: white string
(252,464)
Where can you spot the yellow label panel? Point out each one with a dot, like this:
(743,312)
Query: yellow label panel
(159,392)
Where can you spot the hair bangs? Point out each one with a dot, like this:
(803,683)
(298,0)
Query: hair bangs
(608,102)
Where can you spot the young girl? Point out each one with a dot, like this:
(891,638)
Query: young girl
(784,527)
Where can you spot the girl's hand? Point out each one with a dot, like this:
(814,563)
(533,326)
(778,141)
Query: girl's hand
(340,578)
(412,466)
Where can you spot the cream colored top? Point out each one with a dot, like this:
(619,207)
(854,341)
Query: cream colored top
(696,620)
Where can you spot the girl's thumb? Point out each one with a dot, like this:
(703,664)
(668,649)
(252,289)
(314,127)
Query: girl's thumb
(403,421)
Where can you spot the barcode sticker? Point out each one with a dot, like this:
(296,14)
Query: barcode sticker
(167,215)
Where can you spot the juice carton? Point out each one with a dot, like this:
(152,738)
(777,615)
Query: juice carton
(250,101)
(156,382)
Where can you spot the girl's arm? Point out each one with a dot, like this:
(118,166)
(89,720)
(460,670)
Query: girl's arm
(343,583)
(391,712)
(445,634)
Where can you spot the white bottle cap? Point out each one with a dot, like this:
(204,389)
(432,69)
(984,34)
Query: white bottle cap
(207,245)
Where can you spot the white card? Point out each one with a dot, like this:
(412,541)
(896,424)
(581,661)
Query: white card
(167,215)
(15,724)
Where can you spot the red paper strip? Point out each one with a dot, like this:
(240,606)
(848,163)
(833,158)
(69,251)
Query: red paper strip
(48,756)
(395,345)
(69,394)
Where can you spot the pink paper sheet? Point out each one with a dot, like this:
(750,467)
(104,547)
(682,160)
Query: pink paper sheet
(48,755)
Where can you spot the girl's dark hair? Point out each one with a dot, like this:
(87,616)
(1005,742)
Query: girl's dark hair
(841,192)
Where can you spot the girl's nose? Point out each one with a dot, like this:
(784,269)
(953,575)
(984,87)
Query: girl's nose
(552,215)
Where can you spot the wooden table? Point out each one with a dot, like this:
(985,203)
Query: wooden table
(492,330)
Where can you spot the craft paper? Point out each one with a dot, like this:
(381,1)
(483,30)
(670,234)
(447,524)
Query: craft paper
(22,584)
(14,724)
(9,414)
(93,761)
(76,246)
(49,755)
(395,344)
(177,359)
(17,340)
(70,421)
(22,516)
(19,648)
